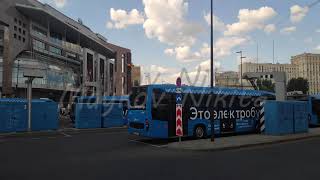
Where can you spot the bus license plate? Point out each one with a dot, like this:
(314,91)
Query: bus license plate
(135,133)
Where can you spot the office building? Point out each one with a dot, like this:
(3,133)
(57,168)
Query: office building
(136,75)
(227,79)
(73,58)
(306,65)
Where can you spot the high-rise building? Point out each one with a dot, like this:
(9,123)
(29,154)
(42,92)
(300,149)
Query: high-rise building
(308,67)
(227,79)
(136,75)
(305,65)
(72,57)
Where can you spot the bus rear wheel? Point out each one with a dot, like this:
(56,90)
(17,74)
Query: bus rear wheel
(199,132)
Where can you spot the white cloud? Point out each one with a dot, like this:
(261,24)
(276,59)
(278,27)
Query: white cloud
(185,53)
(169,51)
(250,20)
(308,40)
(318,31)
(317,48)
(217,23)
(270,28)
(60,3)
(297,13)
(198,75)
(224,45)
(156,74)
(56,3)
(121,19)
(205,65)
(288,30)
(165,21)
(161,69)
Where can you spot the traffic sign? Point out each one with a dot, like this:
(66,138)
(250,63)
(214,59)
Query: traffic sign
(178,82)
(179,98)
(179,129)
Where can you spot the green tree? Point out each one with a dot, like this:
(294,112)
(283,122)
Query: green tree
(298,84)
(265,85)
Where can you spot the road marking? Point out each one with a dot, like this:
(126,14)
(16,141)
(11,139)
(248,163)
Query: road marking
(65,135)
(112,133)
(157,146)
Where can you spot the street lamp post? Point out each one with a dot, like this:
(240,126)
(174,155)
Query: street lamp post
(212,68)
(241,57)
(211,49)
(18,68)
(31,75)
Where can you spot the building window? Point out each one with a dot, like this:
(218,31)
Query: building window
(15,36)
(123,62)
(71,56)
(15,20)
(90,70)
(123,82)
(56,37)
(38,45)
(24,32)
(1,35)
(23,40)
(15,28)
(39,31)
(55,50)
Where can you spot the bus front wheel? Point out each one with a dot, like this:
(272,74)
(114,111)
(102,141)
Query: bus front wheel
(199,132)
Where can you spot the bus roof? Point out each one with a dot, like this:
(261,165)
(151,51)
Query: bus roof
(21,100)
(105,98)
(208,90)
(316,96)
(119,98)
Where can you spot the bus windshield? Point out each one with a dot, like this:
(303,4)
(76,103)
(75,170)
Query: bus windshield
(138,97)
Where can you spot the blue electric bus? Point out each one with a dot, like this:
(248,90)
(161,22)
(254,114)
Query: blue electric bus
(152,110)
(314,110)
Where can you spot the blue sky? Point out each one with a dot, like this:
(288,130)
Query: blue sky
(167,35)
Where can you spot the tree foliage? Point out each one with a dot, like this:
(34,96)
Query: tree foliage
(298,84)
(266,85)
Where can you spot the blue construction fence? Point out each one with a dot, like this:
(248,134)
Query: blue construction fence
(286,117)
(112,112)
(92,115)
(14,115)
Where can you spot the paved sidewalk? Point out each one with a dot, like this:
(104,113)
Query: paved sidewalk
(241,141)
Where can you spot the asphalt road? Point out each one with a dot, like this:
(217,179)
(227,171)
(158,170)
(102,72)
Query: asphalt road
(116,155)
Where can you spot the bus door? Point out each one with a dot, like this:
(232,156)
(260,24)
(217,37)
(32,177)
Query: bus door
(170,113)
(163,110)
(316,108)
(172,116)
